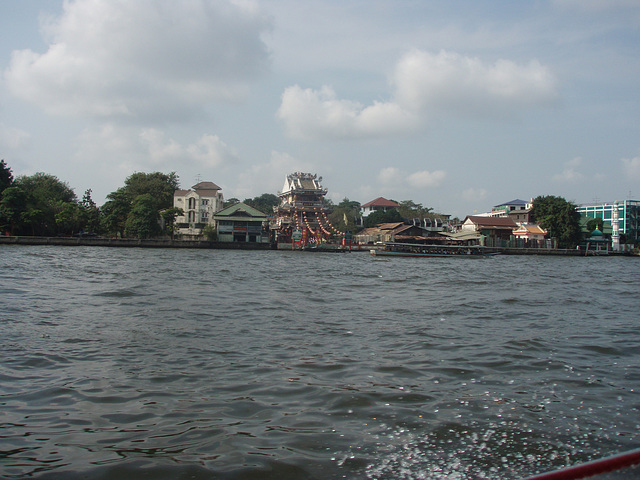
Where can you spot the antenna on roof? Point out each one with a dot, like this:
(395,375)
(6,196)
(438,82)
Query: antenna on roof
(198,178)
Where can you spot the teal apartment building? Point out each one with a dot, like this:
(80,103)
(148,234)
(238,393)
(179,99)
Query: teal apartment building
(625,213)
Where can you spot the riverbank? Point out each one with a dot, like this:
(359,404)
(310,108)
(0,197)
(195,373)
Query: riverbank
(169,243)
(131,242)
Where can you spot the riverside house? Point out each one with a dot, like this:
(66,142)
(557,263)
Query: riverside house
(495,229)
(242,223)
(199,204)
(377,205)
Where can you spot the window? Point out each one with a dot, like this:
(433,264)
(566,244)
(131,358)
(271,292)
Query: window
(205,201)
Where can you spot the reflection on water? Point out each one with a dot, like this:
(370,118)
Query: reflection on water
(130,363)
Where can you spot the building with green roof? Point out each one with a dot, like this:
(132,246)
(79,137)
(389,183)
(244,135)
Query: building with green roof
(241,223)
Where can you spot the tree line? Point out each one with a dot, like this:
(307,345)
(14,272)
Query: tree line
(43,205)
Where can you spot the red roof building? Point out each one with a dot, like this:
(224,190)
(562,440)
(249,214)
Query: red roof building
(378,204)
(492,227)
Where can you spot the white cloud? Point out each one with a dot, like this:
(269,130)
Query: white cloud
(631,167)
(390,175)
(147,59)
(421,179)
(571,172)
(128,149)
(309,113)
(423,83)
(449,81)
(425,178)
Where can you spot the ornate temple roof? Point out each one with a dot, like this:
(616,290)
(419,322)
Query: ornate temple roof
(300,181)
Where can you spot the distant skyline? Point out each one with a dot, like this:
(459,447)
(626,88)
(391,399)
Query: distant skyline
(458,105)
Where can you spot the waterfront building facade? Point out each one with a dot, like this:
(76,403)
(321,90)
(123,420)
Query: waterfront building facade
(241,223)
(623,214)
(199,205)
(530,232)
(494,229)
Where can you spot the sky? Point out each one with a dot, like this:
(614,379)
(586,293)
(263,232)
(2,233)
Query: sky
(457,105)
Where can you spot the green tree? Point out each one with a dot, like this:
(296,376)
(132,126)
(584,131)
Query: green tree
(409,209)
(6,177)
(169,216)
(231,201)
(89,214)
(68,218)
(47,196)
(210,232)
(594,223)
(143,219)
(264,202)
(159,186)
(114,212)
(350,204)
(559,217)
(390,216)
(13,203)
(345,215)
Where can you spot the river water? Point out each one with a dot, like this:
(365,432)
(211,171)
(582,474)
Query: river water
(120,363)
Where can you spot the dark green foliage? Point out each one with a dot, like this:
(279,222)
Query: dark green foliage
(409,209)
(231,201)
(264,203)
(68,218)
(34,204)
(169,216)
(46,188)
(345,215)
(89,214)
(6,177)
(143,219)
(41,204)
(378,217)
(559,217)
(13,204)
(115,211)
(210,233)
(158,187)
(593,224)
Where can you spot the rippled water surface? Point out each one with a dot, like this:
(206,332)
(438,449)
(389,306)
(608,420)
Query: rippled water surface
(206,364)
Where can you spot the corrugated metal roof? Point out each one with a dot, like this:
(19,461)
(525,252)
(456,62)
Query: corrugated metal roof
(391,226)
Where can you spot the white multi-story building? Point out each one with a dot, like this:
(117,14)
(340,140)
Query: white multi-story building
(199,205)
